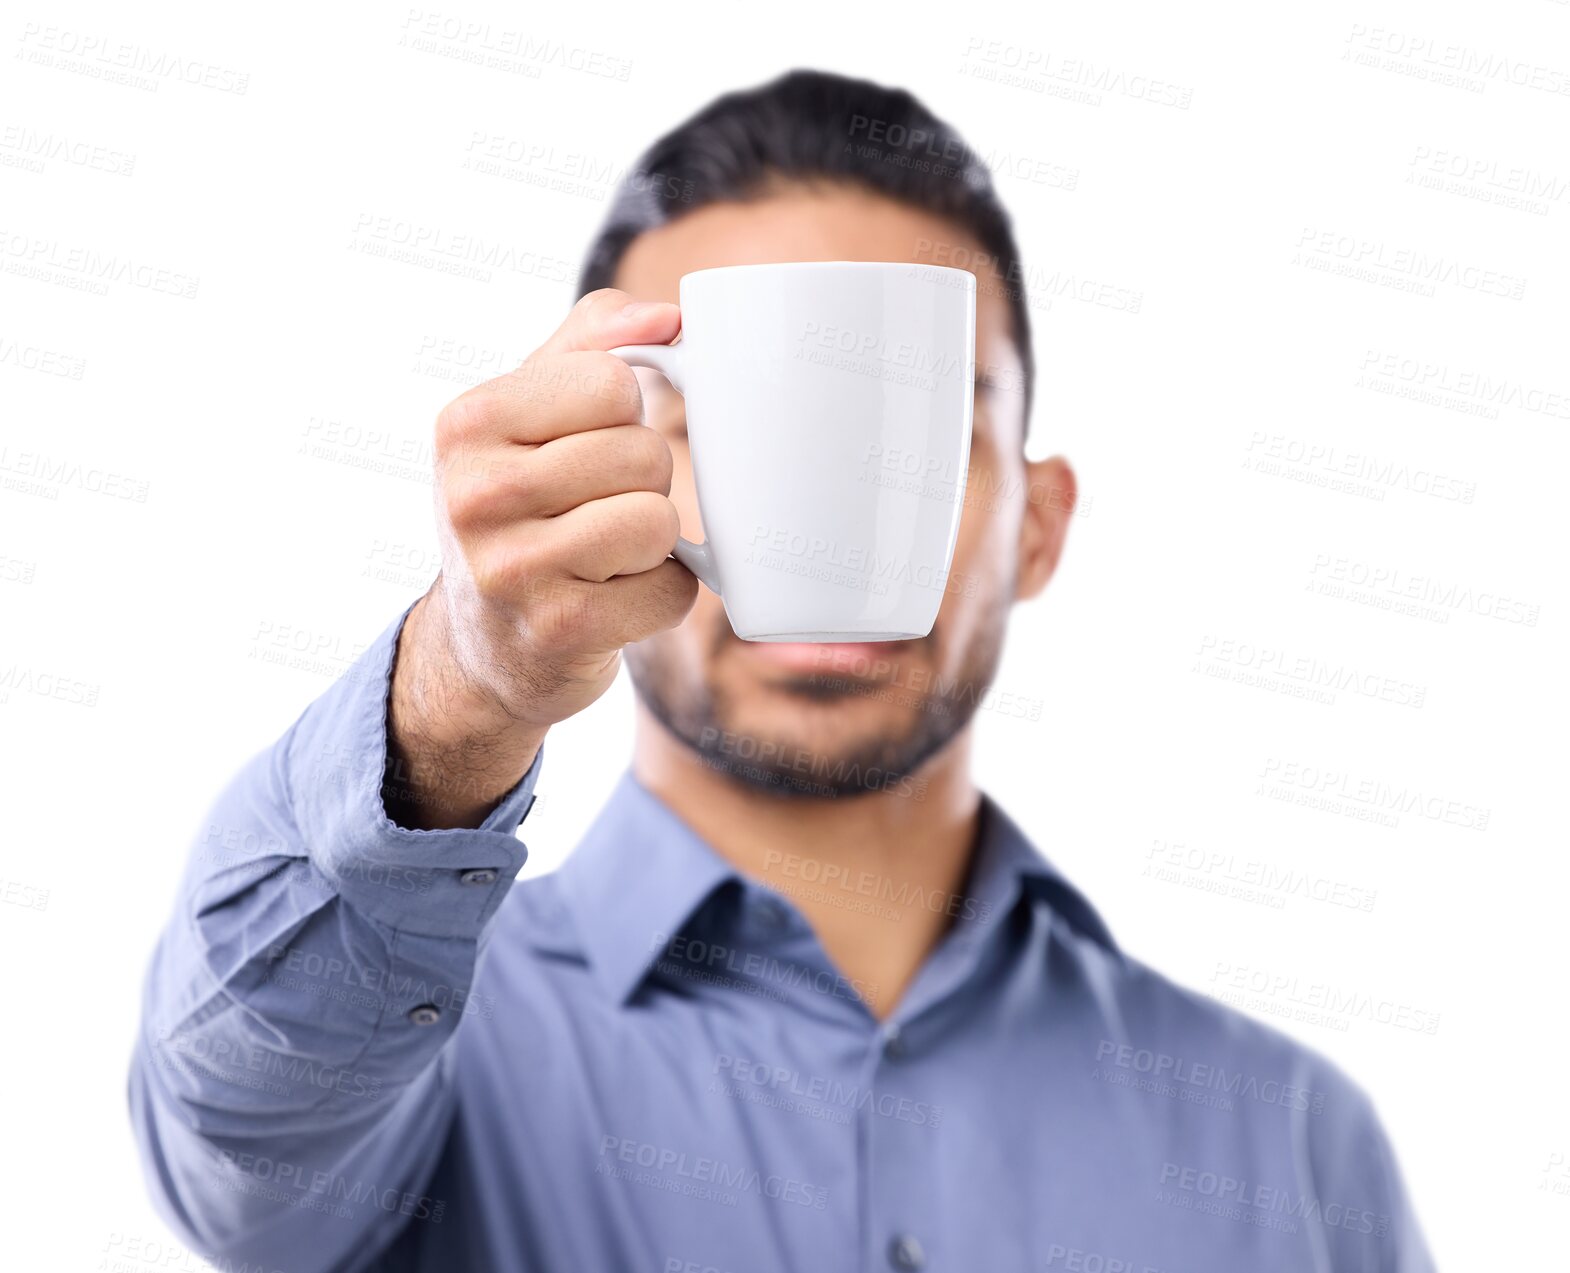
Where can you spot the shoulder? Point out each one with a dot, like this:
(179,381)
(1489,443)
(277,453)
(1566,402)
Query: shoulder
(1171,1032)
(1158,1034)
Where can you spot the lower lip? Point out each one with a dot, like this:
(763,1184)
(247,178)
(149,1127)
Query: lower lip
(843,657)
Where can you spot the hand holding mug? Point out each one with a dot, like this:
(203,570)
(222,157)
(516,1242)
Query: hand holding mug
(557,528)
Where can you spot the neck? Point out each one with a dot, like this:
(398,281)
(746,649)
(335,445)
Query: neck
(862,869)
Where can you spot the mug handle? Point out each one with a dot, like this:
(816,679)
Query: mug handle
(666,359)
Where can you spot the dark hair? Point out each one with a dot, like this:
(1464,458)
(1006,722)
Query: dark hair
(814,125)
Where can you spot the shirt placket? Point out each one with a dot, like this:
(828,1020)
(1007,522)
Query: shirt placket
(907,1228)
(900,1132)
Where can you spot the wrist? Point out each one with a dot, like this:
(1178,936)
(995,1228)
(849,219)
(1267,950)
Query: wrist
(453,751)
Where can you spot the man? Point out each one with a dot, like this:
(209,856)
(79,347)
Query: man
(804,998)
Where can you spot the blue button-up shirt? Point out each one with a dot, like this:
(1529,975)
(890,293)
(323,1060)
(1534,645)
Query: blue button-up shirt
(364,1048)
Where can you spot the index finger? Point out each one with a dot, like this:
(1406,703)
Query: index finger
(609,317)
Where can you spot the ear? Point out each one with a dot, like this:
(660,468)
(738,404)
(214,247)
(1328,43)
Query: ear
(1050,495)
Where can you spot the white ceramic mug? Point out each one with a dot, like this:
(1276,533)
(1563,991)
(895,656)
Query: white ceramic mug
(828,411)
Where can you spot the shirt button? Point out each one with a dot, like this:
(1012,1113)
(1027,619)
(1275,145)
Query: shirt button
(425,1014)
(906,1253)
(894,1047)
(480,875)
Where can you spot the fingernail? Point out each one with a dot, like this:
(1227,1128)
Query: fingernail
(638,307)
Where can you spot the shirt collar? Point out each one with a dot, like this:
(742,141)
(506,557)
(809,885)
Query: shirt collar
(640,873)
(635,879)
(1005,854)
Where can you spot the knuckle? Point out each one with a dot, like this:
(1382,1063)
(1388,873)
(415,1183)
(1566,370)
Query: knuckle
(649,521)
(475,501)
(674,593)
(520,574)
(462,418)
(653,463)
(526,385)
(488,577)
(653,517)
(459,506)
(548,380)
(591,301)
(500,478)
(683,585)
(608,379)
(563,619)
(530,566)
(669,524)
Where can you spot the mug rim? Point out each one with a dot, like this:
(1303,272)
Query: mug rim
(804,265)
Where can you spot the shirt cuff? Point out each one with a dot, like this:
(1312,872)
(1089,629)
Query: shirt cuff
(443,883)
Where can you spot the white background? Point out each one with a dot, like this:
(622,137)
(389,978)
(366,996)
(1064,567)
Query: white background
(272,432)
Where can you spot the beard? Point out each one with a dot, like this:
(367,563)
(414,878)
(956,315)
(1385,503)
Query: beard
(841,762)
